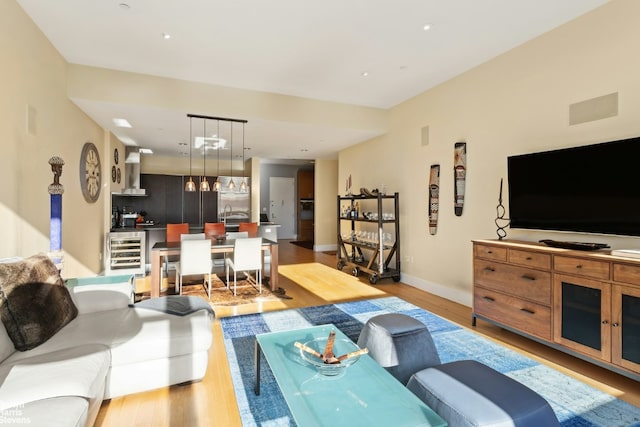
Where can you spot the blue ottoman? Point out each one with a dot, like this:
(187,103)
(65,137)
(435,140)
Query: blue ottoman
(468,393)
(400,344)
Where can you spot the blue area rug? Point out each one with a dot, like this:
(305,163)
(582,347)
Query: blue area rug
(575,403)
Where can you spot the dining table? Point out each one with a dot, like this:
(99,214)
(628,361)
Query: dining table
(165,249)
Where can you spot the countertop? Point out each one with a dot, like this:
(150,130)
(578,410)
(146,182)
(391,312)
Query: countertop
(163,227)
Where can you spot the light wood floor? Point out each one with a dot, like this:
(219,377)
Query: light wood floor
(211,402)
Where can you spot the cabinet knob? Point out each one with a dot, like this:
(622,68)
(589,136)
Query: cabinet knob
(488,298)
(489,269)
(615,325)
(526,310)
(605,322)
(527,277)
(529,258)
(489,252)
(579,266)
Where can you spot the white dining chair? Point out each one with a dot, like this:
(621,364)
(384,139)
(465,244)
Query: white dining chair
(237,234)
(173,264)
(247,256)
(230,235)
(195,259)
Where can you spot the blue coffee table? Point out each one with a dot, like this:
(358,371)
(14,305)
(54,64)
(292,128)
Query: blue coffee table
(365,394)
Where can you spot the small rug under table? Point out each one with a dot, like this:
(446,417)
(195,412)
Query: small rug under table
(575,403)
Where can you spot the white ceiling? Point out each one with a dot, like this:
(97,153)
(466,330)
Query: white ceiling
(316,50)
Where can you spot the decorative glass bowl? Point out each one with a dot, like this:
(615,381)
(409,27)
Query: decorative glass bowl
(340,347)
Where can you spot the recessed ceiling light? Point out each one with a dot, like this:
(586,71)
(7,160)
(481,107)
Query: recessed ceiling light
(182,144)
(124,6)
(121,123)
(166,36)
(304,150)
(365,74)
(427,27)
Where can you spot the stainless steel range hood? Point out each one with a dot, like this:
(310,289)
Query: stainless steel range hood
(132,173)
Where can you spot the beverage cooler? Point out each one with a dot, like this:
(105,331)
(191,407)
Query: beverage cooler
(125,252)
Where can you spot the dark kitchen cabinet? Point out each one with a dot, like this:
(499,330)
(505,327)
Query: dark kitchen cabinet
(167,202)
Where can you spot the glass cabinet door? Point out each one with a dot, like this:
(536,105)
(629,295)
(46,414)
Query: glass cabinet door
(626,326)
(581,315)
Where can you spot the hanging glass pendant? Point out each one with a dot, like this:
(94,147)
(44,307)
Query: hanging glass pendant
(204,184)
(190,185)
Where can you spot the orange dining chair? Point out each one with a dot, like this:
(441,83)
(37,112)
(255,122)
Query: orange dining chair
(174,231)
(212,229)
(249,227)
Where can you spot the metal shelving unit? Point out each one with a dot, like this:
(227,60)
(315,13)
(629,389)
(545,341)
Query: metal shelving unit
(377,256)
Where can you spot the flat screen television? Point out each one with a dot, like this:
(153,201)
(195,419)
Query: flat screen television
(591,189)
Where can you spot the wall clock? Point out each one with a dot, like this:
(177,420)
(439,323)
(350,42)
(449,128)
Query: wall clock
(90,173)
(113,174)
(116,157)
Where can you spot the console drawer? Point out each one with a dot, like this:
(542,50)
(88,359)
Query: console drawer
(530,259)
(490,252)
(626,273)
(528,317)
(533,285)
(581,267)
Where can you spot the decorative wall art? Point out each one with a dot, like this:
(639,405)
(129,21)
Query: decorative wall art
(55,219)
(434,198)
(500,213)
(460,175)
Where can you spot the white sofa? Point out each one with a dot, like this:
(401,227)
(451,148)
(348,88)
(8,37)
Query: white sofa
(109,350)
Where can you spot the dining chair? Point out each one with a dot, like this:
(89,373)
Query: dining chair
(247,256)
(174,231)
(249,227)
(195,259)
(213,229)
(192,236)
(237,234)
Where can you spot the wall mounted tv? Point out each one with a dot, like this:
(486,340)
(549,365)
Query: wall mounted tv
(592,189)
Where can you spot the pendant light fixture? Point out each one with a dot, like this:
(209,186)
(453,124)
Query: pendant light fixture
(232,185)
(204,184)
(243,186)
(217,185)
(190,186)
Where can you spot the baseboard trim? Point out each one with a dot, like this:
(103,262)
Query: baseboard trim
(324,248)
(461,297)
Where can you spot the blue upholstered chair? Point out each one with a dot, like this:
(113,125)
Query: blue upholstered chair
(464,393)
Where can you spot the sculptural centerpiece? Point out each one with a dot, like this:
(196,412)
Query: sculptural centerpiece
(322,353)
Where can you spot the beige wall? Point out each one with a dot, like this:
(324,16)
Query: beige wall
(34,74)
(515,103)
(325,221)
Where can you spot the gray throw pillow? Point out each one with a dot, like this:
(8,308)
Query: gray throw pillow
(34,303)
